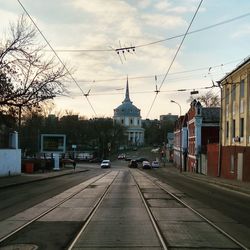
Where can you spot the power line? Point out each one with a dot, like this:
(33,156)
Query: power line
(159,41)
(176,53)
(150,91)
(56,54)
(159,75)
(195,31)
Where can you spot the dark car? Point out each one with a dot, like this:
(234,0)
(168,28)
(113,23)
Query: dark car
(141,159)
(133,164)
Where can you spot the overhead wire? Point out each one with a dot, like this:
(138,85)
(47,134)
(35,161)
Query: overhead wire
(41,33)
(150,91)
(176,53)
(161,40)
(158,75)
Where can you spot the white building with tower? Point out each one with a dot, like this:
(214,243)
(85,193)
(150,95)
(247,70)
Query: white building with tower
(129,116)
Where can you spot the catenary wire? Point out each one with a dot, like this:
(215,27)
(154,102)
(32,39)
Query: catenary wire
(150,91)
(162,40)
(176,53)
(57,55)
(159,75)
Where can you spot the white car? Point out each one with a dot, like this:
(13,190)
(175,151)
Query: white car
(155,164)
(105,164)
(146,165)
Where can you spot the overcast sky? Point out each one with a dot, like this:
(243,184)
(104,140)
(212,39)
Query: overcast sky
(97,26)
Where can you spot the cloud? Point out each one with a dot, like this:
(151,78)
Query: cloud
(164,21)
(243,31)
(165,6)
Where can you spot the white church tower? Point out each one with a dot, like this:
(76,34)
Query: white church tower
(129,116)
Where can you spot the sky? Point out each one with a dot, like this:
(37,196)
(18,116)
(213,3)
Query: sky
(86,34)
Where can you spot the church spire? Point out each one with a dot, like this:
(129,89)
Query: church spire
(127,99)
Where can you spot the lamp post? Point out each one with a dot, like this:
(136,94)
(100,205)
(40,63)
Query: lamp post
(177,104)
(179,133)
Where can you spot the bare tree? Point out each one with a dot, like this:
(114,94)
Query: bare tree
(27,76)
(209,99)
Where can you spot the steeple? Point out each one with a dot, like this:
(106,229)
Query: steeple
(127,99)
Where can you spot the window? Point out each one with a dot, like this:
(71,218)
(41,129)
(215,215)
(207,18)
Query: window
(242,88)
(227,129)
(233,128)
(241,127)
(227,95)
(131,121)
(233,91)
(122,121)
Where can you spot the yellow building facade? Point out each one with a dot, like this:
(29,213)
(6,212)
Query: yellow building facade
(235,123)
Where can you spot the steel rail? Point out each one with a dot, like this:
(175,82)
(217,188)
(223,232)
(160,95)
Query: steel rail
(49,210)
(198,213)
(91,214)
(151,216)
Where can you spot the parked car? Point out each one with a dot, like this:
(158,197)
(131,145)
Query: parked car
(105,164)
(133,164)
(121,156)
(155,164)
(146,165)
(141,159)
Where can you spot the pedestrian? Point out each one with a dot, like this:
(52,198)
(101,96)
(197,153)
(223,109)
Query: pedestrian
(74,165)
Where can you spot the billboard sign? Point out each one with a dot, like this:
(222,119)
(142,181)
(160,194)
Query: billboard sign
(53,143)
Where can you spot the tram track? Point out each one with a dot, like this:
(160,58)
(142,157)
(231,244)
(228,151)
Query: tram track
(91,214)
(50,209)
(124,206)
(163,187)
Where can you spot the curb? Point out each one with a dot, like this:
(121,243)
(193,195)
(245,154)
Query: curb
(221,184)
(40,179)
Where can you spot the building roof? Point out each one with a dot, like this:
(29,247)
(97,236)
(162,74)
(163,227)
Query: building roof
(211,114)
(245,61)
(127,108)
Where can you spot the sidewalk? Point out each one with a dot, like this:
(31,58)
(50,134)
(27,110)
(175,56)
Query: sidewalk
(239,186)
(9,181)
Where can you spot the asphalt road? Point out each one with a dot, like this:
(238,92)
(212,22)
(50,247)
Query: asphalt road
(214,202)
(18,198)
(232,204)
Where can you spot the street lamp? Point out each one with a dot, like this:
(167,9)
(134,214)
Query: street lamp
(179,134)
(177,104)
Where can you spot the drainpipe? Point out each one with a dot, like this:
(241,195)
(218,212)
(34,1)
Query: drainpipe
(220,133)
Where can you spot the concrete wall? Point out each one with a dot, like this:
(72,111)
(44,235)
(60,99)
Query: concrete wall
(10,162)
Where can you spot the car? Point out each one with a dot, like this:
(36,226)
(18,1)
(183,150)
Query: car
(105,164)
(121,156)
(133,164)
(141,159)
(155,164)
(146,165)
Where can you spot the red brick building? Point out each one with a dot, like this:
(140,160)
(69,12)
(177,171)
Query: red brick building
(203,128)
